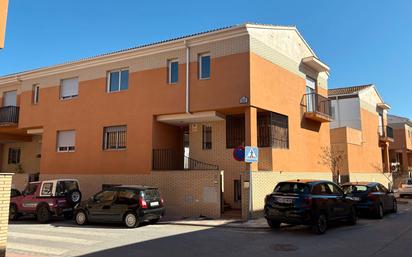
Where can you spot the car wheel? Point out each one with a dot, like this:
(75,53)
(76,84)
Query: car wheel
(131,220)
(43,214)
(379,212)
(395,207)
(274,224)
(74,197)
(353,217)
(13,212)
(68,215)
(320,224)
(81,218)
(154,221)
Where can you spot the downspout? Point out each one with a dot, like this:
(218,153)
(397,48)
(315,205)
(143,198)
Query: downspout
(187,77)
(338,111)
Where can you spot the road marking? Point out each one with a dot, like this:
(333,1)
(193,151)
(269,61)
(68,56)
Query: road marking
(52,238)
(74,231)
(35,249)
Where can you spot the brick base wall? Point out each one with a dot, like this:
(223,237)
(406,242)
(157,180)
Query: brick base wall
(186,193)
(5,185)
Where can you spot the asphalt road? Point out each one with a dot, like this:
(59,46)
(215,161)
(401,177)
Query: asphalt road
(391,236)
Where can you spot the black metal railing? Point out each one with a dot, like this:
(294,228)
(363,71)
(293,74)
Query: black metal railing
(316,103)
(9,115)
(385,131)
(170,159)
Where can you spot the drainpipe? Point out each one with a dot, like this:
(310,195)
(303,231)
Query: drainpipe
(338,110)
(187,76)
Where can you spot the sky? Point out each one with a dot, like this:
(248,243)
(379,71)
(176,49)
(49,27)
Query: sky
(362,41)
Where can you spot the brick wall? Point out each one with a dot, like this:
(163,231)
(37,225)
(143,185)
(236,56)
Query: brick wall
(186,193)
(5,184)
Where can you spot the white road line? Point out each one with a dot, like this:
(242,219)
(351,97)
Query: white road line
(52,238)
(35,249)
(74,231)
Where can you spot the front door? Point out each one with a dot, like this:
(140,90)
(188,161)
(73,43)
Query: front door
(10,98)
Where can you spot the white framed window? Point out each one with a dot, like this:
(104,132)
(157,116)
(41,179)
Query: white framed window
(114,138)
(36,93)
(69,88)
(173,71)
(66,140)
(117,80)
(204,66)
(10,98)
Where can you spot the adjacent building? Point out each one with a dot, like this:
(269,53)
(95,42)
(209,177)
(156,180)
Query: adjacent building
(3,19)
(360,130)
(401,149)
(171,114)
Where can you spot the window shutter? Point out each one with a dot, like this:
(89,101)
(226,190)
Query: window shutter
(66,138)
(10,98)
(69,87)
(311,83)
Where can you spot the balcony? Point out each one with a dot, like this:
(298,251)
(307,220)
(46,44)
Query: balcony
(317,107)
(9,115)
(385,134)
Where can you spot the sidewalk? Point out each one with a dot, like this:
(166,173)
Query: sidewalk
(227,223)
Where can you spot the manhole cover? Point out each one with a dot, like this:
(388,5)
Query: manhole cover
(284,247)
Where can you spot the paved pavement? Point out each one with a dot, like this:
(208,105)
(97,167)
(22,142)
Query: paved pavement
(388,237)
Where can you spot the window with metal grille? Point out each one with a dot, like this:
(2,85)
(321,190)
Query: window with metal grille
(273,130)
(114,138)
(235,131)
(14,156)
(207,137)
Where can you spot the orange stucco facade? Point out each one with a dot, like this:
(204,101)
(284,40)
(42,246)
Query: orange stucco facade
(3,19)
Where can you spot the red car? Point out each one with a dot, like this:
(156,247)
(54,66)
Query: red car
(45,199)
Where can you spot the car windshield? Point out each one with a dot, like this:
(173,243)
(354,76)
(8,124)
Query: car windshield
(63,187)
(296,188)
(150,194)
(354,189)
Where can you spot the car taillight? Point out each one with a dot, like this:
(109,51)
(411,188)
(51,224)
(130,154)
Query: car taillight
(372,196)
(142,203)
(161,200)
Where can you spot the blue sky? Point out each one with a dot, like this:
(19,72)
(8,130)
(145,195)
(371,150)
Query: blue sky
(363,41)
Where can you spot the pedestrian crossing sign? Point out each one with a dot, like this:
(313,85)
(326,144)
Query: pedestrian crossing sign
(251,154)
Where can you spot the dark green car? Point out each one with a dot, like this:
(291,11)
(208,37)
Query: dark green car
(129,204)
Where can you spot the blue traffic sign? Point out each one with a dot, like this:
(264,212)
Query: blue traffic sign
(251,154)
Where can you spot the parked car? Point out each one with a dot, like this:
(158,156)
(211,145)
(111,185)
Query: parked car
(371,198)
(14,192)
(308,202)
(405,187)
(128,204)
(45,199)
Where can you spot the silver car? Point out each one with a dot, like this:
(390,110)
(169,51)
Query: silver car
(405,188)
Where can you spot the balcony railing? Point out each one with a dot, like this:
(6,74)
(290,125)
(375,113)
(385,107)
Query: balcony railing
(317,107)
(9,115)
(170,159)
(385,133)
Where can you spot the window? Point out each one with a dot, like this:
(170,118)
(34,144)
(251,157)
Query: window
(118,80)
(14,156)
(47,189)
(10,98)
(69,88)
(334,190)
(36,92)
(207,137)
(321,189)
(173,71)
(127,197)
(105,196)
(204,66)
(290,187)
(66,141)
(30,189)
(310,91)
(62,187)
(114,138)
(235,131)
(273,130)
(237,190)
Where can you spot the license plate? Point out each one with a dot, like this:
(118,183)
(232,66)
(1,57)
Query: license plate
(154,204)
(284,200)
(356,198)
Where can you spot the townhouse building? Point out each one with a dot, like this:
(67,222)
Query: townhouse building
(400,150)
(360,131)
(171,113)
(3,18)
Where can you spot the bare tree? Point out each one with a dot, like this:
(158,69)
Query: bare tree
(332,157)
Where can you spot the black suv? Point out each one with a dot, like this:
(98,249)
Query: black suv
(128,204)
(308,202)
